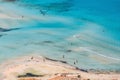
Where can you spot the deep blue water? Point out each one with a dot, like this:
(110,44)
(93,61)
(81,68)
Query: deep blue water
(87,31)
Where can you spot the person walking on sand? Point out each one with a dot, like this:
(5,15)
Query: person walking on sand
(76,61)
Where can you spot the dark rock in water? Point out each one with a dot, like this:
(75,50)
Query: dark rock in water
(30,75)
(5,30)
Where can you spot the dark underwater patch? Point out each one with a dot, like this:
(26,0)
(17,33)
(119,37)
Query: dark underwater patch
(6,30)
(1,35)
(63,6)
(9,0)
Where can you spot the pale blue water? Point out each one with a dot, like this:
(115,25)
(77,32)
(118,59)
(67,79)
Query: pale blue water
(87,31)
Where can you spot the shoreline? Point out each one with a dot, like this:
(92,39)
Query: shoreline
(38,65)
(95,71)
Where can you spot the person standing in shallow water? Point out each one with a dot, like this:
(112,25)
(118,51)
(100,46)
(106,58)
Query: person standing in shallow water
(74,62)
(63,56)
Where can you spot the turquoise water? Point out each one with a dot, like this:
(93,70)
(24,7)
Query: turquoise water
(86,31)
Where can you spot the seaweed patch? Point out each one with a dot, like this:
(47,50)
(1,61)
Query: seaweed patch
(63,6)
(1,35)
(6,30)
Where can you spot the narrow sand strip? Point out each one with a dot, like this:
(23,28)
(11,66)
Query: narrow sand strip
(46,67)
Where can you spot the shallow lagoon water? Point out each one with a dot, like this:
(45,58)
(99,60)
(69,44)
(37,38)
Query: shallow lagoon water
(82,31)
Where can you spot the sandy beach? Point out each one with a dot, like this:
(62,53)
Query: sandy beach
(48,69)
